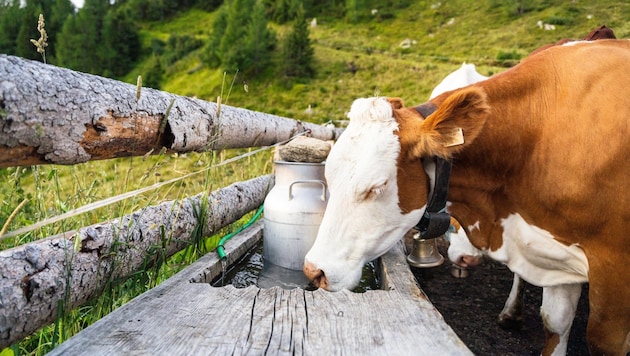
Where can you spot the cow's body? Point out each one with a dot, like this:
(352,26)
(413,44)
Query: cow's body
(540,182)
(511,316)
(460,248)
(461,251)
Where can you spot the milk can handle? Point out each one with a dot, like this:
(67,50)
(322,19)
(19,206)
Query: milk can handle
(323,197)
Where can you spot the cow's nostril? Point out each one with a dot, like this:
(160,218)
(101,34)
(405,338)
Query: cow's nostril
(472,261)
(468,261)
(315,275)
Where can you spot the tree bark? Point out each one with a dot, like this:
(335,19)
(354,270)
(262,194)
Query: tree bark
(55,115)
(75,266)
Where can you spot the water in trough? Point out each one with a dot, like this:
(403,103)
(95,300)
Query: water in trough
(253,270)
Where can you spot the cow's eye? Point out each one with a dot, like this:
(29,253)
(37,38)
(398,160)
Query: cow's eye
(371,192)
(376,190)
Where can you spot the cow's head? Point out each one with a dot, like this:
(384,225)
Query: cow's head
(379,174)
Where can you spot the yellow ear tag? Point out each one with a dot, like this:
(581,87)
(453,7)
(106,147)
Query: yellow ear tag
(456,138)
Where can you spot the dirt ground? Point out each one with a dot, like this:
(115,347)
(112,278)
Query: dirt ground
(471,306)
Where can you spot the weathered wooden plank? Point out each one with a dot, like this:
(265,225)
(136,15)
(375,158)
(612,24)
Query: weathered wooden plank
(55,115)
(197,319)
(35,277)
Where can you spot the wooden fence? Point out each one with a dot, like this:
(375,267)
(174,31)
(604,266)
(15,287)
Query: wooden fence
(52,115)
(55,115)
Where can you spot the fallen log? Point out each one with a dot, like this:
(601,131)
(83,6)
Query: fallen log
(55,115)
(73,267)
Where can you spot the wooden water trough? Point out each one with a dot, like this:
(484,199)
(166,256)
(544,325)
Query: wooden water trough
(186,315)
(54,115)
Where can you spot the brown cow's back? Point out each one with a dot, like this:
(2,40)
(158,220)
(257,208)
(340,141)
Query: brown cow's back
(573,169)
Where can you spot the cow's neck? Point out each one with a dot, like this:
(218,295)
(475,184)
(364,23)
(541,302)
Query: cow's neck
(483,176)
(436,221)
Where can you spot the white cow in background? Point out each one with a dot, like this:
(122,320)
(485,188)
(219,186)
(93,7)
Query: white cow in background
(465,75)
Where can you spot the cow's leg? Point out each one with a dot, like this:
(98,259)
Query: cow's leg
(608,329)
(557,311)
(511,317)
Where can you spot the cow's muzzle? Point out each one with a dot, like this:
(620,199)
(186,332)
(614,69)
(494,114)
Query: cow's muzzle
(315,275)
(467,261)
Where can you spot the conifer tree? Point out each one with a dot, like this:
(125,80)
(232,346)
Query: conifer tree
(352,10)
(298,52)
(99,39)
(211,54)
(28,30)
(55,12)
(241,40)
(282,11)
(121,43)
(70,44)
(260,41)
(81,44)
(60,11)
(9,27)
(152,77)
(232,51)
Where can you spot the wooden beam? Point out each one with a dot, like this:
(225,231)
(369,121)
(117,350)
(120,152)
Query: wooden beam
(55,115)
(76,266)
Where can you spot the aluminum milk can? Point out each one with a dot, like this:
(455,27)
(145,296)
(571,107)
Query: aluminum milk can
(293,211)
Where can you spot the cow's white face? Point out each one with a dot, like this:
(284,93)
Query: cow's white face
(363,218)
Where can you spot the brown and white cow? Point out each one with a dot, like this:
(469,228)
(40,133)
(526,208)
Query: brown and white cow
(540,165)
(460,248)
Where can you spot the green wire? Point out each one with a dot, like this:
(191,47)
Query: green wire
(220,249)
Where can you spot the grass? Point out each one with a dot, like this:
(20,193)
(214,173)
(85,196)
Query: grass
(52,190)
(491,34)
(488,33)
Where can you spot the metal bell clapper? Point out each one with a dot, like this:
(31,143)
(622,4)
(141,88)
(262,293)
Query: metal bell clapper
(424,253)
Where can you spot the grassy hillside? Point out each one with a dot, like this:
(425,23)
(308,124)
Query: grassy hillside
(444,34)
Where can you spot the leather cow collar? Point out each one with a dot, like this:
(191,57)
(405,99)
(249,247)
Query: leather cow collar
(435,221)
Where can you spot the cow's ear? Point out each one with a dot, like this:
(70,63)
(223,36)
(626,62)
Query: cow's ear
(397,103)
(455,124)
